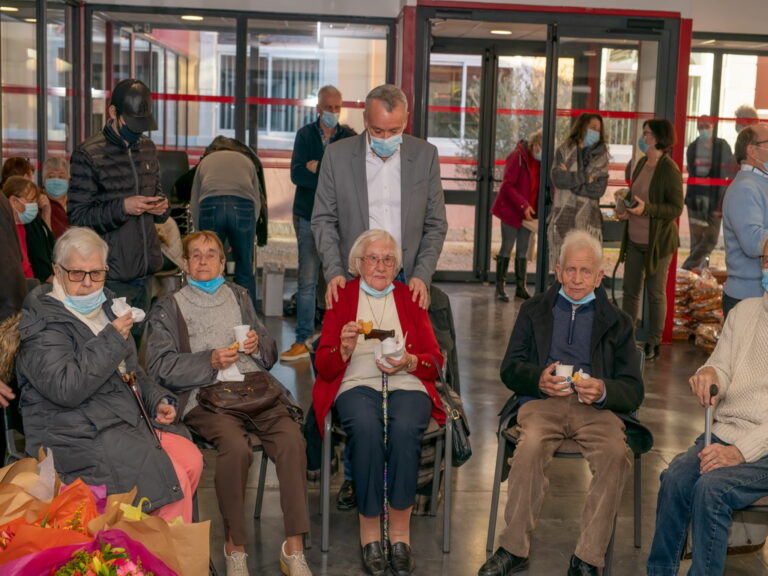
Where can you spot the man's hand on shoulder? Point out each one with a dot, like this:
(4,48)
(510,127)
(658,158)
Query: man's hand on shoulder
(332,290)
(552,385)
(700,384)
(717,456)
(420,292)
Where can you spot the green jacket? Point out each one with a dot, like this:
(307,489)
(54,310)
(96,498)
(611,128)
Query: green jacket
(664,206)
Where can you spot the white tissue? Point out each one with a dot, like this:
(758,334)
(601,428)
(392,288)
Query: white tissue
(120,307)
(389,348)
(231,374)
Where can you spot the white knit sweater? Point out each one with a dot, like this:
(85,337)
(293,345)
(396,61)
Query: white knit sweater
(741,362)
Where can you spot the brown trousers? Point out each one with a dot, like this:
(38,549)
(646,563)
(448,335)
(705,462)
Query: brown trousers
(283,442)
(543,425)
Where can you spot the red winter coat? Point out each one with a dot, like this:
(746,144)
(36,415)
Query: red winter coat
(515,195)
(330,368)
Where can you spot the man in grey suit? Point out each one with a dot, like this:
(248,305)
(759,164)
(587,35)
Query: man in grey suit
(381,179)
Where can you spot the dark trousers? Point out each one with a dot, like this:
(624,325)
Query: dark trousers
(234,221)
(704,236)
(361,414)
(284,444)
(728,303)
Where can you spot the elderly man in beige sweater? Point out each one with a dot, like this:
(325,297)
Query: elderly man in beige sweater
(704,485)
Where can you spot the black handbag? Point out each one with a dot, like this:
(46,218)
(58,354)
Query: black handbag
(454,409)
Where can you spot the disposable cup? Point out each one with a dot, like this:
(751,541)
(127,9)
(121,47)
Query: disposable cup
(241,333)
(564,370)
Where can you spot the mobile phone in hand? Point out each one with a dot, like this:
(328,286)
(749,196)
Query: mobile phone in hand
(155,202)
(630,202)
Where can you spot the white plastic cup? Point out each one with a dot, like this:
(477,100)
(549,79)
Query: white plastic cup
(564,370)
(241,333)
(230,268)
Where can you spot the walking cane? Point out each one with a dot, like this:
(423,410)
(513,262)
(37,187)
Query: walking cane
(130,379)
(385,410)
(708,416)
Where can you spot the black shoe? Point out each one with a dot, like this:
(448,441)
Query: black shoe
(581,568)
(402,561)
(652,351)
(503,563)
(374,561)
(347,499)
(522,293)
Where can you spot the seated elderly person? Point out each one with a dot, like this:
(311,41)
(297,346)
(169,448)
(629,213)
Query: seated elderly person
(573,323)
(704,485)
(56,186)
(349,375)
(189,340)
(71,364)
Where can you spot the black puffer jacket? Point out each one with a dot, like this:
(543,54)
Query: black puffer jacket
(104,173)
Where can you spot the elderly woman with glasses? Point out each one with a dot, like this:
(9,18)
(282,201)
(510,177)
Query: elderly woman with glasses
(349,376)
(72,365)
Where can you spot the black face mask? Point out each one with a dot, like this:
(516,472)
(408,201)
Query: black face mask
(129,135)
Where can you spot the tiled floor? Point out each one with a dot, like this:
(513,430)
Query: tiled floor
(483,327)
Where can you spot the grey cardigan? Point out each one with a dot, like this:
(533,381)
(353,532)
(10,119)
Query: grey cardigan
(74,401)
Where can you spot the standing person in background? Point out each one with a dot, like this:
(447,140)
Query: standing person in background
(707,157)
(745,218)
(115,190)
(580,176)
(651,236)
(56,186)
(517,201)
(746,115)
(226,198)
(16,166)
(308,149)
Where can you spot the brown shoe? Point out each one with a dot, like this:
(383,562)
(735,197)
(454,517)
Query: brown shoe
(295,353)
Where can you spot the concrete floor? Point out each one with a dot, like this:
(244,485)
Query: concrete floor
(483,327)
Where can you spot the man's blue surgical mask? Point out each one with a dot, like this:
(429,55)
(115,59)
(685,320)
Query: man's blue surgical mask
(586,300)
(642,145)
(30,213)
(86,304)
(129,135)
(705,134)
(56,187)
(385,147)
(209,286)
(329,119)
(592,137)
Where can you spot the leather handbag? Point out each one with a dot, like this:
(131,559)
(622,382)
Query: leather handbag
(454,409)
(250,398)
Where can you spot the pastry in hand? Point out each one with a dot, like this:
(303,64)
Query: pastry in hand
(365,326)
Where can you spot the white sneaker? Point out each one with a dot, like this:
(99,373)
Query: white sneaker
(237,564)
(295,565)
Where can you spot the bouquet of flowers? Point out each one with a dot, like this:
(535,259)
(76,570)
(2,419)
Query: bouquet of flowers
(106,561)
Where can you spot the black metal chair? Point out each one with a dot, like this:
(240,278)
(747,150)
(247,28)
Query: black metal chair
(569,449)
(12,434)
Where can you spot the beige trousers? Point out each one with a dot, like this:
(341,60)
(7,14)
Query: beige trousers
(543,426)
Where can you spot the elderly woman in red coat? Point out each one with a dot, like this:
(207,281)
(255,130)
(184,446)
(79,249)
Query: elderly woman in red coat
(349,376)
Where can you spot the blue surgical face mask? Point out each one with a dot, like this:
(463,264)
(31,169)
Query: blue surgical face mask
(129,135)
(329,119)
(385,147)
(592,137)
(86,304)
(537,156)
(56,187)
(373,292)
(586,300)
(642,145)
(705,134)
(765,279)
(30,213)
(209,286)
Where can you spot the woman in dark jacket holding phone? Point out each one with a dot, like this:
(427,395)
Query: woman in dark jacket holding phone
(651,236)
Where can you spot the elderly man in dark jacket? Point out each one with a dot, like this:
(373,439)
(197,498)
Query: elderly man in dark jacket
(74,353)
(572,325)
(115,190)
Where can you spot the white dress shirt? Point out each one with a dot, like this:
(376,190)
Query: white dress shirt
(384,200)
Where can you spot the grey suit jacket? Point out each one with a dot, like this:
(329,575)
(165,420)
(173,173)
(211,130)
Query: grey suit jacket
(341,213)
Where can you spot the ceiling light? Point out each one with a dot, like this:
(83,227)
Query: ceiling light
(8,9)
(30,20)
(501,32)
(192,18)
(707,42)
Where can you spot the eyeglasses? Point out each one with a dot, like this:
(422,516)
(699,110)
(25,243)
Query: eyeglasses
(373,260)
(79,275)
(759,142)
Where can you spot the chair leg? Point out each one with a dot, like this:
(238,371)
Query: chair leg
(609,552)
(436,477)
(495,493)
(212,568)
(638,493)
(325,484)
(262,482)
(308,534)
(195,509)
(448,486)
